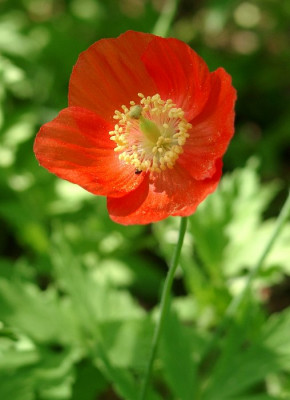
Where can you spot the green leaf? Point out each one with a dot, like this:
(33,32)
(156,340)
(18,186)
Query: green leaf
(257,397)
(89,382)
(240,373)
(243,362)
(227,218)
(246,254)
(16,386)
(94,301)
(17,353)
(276,337)
(41,315)
(122,380)
(54,375)
(251,352)
(177,355)
(127,343)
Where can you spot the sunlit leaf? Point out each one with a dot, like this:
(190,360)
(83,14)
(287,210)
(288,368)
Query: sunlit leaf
(41,315)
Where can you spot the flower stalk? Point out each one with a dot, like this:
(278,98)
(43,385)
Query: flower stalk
(164,305)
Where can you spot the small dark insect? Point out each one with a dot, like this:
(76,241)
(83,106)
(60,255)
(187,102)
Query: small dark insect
(137,171)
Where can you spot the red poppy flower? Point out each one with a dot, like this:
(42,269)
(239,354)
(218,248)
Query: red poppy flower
(147,125)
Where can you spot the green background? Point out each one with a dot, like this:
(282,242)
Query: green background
(78,293)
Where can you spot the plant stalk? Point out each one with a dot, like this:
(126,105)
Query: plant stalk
(164,305)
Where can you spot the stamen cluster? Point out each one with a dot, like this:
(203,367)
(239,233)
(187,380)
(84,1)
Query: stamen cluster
(145,152)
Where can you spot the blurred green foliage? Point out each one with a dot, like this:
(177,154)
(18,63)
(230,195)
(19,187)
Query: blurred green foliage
(78,293)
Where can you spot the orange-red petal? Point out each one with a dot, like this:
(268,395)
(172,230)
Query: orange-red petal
(172,192)
(110,73)
(76,146)
(179,74)
(212,129)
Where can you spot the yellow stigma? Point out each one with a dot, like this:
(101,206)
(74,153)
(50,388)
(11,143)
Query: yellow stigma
(150,135)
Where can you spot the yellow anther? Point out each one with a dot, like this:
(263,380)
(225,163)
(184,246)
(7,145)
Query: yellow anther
(135,112)
(150,135)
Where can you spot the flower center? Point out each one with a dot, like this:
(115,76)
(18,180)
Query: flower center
(150,135)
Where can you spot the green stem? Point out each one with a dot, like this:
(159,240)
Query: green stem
(237,301)
(164,305)
(163,23)
(161,28)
